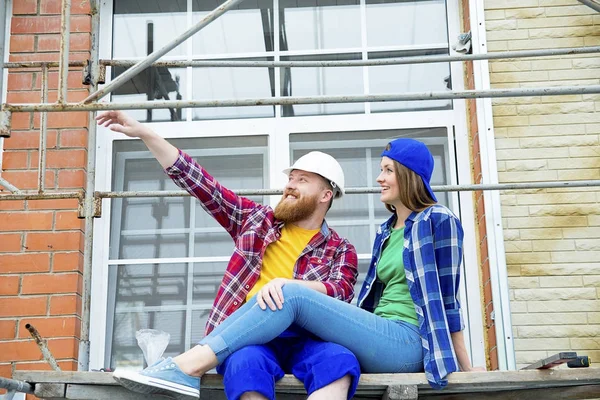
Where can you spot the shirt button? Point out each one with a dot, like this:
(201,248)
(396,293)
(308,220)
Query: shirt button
(367,286)
(235,303)
(247,286)
(319,261)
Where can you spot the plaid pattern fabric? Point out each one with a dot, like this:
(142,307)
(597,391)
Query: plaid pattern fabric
(327,258)
(432,255)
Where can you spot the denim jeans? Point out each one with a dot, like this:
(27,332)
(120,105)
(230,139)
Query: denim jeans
(380,345)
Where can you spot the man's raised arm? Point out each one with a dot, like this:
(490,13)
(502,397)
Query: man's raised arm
(118,121)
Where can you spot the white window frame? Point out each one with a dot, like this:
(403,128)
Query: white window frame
(278,131)
(493,216)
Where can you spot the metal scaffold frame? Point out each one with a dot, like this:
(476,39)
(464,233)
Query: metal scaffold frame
(95,71)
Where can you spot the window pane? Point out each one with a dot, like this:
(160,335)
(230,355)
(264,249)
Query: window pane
(138,288)
(409,78)
(161,227)
(125,351)
(247,28)
(141,27)
(157,245)
(199,319)
(154,83)
(312,24)
(233,83)
(151,285)
(333,81)
(207,277)
(406,23)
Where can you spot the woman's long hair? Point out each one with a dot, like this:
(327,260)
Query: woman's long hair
(412,190)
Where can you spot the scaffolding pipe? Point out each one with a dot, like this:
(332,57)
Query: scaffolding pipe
(15,385)
(145,63)
(269,192)
(83,359)
(271,101)
(9,186)
(63,68)
(3,15)
(40,64)
(37,196)
(591,3)
(43,133)
(365,190)
(437,58)
(43,348)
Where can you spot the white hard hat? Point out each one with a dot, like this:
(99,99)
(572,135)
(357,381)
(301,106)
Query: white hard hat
(324,165)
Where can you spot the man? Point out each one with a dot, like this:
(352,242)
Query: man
(292,242)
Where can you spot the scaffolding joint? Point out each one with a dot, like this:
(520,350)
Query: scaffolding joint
(87,74)
(13,385)
(7,185)
(97,209)
(5,123)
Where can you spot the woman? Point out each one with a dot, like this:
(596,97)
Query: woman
(407,306)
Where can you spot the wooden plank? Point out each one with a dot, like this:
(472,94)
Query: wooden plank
(571,393)
(50,390)
(374,384)
(566,376)
(553,360)
(103,392)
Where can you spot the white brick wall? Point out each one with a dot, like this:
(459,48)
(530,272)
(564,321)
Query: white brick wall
(552,237)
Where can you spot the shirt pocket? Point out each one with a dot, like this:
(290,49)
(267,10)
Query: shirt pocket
(317,269)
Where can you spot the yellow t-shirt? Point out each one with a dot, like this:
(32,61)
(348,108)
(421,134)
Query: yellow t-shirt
(280,256)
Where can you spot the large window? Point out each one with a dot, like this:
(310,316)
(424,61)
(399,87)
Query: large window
(160,260)
(273,30)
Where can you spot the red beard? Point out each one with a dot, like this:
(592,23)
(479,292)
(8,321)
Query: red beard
(296,210)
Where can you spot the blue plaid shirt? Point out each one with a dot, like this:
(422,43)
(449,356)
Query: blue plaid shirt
(432,255)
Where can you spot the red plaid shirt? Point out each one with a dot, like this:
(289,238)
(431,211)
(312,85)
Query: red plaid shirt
(327,258)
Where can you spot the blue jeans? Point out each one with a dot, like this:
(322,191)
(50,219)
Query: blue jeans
(380,345)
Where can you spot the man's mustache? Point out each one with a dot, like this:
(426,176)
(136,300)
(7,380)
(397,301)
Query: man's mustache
(291,192)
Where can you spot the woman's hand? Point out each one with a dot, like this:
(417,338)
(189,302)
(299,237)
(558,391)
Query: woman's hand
(475,369)
(271,294)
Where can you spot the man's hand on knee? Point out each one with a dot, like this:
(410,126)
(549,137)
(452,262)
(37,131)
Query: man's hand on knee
(271,295)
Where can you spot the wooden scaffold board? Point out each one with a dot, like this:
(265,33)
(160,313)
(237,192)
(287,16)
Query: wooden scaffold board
(518,385)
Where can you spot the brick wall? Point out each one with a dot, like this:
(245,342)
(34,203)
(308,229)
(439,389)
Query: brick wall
(552,237)
(41,241)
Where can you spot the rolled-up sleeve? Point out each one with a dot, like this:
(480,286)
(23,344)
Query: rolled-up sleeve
(448,239)
(227,208)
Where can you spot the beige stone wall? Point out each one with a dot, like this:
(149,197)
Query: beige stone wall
(552,237)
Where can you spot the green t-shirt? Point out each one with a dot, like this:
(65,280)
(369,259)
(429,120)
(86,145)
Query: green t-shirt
(396,302)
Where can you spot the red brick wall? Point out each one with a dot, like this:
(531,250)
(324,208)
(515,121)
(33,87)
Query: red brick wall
(41,241)
(484,262)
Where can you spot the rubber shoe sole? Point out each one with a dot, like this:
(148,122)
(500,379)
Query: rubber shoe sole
(148,385)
